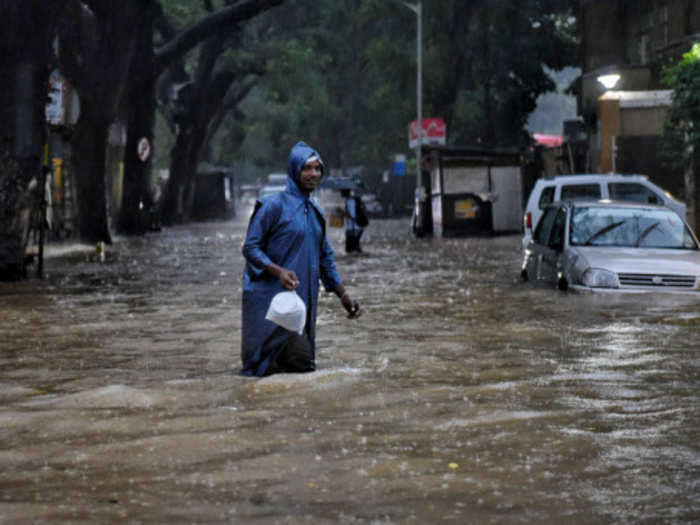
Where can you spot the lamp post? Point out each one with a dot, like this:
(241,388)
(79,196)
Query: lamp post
(609,123)
(418,10)
(609,81)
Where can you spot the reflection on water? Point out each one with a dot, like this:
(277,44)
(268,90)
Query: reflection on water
(460,396)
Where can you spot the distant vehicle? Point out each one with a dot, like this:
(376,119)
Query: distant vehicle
(248,193)
(277,179)
(270,189)
(372,205)
(612,246)
(596,186)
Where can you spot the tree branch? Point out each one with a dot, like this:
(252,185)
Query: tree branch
(192,35)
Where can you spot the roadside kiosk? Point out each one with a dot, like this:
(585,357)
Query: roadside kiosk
(474,191)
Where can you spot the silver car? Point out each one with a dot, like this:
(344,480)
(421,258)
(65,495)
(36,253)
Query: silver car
(594,186)
(612,246)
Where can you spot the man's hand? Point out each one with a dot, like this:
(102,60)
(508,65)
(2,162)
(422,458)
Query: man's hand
(351,306)
(287,278)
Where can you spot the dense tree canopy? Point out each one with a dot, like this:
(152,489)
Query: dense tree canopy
(341,75)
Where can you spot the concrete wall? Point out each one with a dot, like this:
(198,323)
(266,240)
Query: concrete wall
(642,121)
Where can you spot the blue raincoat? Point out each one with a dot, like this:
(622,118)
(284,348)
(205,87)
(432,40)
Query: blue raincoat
(350,221)
(288,229)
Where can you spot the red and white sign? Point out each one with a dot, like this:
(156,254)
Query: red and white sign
(550,141)
(143,149)
(434,132)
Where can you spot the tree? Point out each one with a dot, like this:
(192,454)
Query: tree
(682,126)
(98,42)
(200,102)
(344,76)
(140,109)
(497,51)
(100,39)
(199,112)
(26,33)
(328,82)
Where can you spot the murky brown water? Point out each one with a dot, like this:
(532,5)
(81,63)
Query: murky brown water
(461,396)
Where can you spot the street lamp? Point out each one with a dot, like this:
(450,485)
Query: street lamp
(609,81)
(418,10)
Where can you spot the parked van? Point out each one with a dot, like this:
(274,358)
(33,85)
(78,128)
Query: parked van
(596,186)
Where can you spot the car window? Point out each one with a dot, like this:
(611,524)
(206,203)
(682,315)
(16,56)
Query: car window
(632,191)
(546,196)
(544,227)
(556,238)
(571,192)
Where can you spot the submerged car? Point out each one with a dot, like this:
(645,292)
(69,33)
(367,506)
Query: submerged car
(594,186)
(612,246)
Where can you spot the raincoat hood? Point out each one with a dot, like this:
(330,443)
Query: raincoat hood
(298,156)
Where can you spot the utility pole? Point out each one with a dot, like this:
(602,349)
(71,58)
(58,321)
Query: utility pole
(419,196)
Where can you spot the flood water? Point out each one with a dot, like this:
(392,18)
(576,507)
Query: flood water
(461,395)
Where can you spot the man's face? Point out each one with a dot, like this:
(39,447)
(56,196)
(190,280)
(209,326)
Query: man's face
(310,176)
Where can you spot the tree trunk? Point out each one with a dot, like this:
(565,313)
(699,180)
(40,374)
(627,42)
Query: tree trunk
(141,108)
(20,154)
(99,70)
(26,30)
(14,214)
(191,137)
(89,144)
(173,210)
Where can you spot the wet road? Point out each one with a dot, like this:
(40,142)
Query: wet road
(461,396)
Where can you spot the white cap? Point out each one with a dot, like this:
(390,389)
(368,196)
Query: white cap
(314,158)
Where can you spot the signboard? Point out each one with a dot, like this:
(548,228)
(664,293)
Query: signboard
(143,149)
(434,132)
(399,165)
(56,107)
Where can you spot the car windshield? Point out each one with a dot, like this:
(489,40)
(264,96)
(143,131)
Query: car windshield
(629,227)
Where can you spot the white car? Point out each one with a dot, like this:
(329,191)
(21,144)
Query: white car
(271,189)
(372,205)
(628,188)
(612,246)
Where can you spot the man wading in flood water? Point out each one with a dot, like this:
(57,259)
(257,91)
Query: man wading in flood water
(286,249)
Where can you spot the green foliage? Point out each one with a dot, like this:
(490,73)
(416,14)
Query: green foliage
(184,12)
(682,126)
(341,74)
(496,50)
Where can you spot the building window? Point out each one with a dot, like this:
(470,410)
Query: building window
(644,48)
(645,38)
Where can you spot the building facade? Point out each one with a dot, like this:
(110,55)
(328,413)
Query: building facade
(630,42)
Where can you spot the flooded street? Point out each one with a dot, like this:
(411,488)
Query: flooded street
(461,395)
